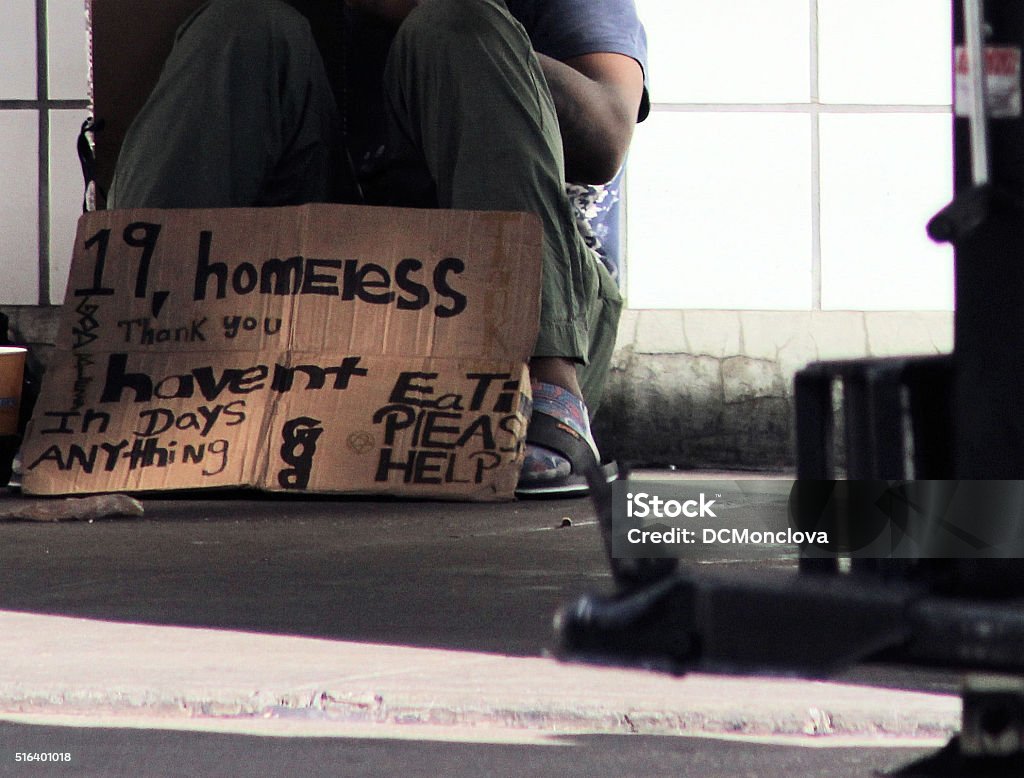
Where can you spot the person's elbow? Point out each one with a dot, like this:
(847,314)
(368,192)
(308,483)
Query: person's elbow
(596,169)
(602,160)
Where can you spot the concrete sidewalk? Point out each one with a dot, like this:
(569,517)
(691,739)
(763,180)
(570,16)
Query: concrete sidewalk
(87,668)
(371,619)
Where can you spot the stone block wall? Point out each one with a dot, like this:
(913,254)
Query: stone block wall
(715,388)
(33,326)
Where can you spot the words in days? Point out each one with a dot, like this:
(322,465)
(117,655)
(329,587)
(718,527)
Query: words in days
(144,448)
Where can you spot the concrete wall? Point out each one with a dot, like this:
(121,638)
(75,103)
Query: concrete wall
(695,388)
(34,326)
(715,388)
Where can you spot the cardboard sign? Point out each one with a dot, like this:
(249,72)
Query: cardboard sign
(321,348)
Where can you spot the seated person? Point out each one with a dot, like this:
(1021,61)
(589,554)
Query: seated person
(470,104)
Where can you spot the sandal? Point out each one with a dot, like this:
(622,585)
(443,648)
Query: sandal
(548,432)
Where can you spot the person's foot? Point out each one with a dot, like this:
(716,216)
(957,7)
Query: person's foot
(547,469)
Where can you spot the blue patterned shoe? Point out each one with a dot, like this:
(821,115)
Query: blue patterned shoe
(559,446)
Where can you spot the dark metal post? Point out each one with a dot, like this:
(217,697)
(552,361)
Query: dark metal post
(989,319)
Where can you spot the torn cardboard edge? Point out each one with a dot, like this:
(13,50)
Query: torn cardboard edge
(321,349)
(105,506)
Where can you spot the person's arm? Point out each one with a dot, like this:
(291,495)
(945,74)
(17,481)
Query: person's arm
(597,99)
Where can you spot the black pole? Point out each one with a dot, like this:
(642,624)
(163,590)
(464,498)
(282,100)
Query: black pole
(989,278)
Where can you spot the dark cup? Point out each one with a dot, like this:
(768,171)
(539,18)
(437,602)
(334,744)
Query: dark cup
(8,450)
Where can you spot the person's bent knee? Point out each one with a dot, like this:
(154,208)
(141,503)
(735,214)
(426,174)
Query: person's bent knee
(439,20)
(226,22)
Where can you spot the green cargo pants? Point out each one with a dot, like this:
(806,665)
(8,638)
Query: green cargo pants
(243,115)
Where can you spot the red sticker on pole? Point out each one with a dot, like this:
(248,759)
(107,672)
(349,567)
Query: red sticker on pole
(1002,82)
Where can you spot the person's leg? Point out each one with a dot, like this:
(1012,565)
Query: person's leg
(603,326)
(242,115)
(588,381)
(468,96)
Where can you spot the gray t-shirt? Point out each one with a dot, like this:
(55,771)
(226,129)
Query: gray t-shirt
(569,28)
